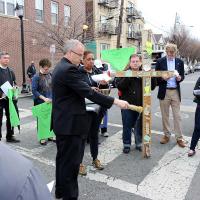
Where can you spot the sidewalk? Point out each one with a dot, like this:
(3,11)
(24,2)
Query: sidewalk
(23,95)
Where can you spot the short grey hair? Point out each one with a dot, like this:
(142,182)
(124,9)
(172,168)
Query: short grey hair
(71,45)
(3,53)
(171,47)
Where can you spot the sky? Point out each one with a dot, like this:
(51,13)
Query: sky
(160,15)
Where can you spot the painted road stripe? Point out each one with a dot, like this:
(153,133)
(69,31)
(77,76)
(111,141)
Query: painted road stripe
(111,148)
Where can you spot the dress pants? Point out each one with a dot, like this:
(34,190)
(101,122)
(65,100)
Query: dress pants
(68,160)
(196,133)
(93,135)
(4,104)
(171,99)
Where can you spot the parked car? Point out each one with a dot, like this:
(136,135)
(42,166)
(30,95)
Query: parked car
(197,67)
(186,68)
(191,68)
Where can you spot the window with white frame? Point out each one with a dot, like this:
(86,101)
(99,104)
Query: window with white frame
(7,7)
(104,46)
(103,23)
(131,30)
(67,14)
(54,13)
(39,10)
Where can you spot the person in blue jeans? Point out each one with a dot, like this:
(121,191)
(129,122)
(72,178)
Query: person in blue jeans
(196,132)
(131,91)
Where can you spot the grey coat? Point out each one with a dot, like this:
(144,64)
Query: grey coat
(19,179)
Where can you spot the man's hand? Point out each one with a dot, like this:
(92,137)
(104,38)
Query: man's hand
(165,77)
(178,78)
(95,89)
(121,103)
(103,82)
(47,100)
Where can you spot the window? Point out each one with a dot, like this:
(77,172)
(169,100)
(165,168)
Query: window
(104,46)
(103,23)
(54,13)
(67,14)
(7,7)
(39,13)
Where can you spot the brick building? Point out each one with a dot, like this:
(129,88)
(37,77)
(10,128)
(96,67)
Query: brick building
(46,23)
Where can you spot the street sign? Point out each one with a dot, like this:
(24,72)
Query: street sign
(52,48)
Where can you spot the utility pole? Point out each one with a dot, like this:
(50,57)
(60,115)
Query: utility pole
(175,27)
(120,23)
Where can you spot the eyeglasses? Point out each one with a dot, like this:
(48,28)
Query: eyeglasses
(78,54)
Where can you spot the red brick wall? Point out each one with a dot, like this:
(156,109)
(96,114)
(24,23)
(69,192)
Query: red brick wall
(10,38)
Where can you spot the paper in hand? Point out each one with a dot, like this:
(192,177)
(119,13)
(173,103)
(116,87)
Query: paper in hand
(5,87)
(101,77)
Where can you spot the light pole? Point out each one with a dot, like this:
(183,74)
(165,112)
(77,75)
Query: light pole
(85,28)
(20,13)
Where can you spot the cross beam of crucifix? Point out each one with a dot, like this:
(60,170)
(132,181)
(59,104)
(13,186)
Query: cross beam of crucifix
(146,117)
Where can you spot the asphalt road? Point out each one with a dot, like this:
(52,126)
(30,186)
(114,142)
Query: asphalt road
(168,174)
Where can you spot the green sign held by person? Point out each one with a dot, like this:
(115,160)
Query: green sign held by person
(118,58)
(43,114)
(14,117)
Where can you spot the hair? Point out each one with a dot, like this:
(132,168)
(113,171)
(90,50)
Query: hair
(86,53)
(171,47)
(45,62)
(131,56)
(70,45)
(3,53)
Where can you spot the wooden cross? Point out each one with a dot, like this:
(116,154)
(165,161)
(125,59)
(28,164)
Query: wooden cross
(146,84)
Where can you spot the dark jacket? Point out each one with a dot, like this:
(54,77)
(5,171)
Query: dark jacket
(31,71)
(88,77)
(197,87)
(131,89)
(69,92)
(19,178)
(7,75)
(161,65)
(41,85)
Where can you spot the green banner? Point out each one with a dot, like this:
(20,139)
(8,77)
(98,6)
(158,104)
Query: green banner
(14,118)
(43,114)
(118,58)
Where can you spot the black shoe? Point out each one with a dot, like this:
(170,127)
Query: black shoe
(58,195)
(126,150)
(12,140)
(138,148)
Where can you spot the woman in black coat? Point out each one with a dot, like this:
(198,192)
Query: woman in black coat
(87,70)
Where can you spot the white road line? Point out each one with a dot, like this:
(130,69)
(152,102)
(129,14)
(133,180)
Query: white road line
(188,82)
(113,182)
(111,148)
(23,113)
(188,108)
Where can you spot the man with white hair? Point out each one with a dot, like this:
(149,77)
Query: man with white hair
(70,120)
(169,93)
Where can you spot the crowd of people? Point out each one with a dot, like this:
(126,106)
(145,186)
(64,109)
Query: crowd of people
(70,90)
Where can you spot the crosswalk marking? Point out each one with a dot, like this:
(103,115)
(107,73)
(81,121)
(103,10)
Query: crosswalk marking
(170,178)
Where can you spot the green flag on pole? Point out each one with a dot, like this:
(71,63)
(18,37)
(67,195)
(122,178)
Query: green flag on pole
(118,58)
(43,114)
(14,118)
